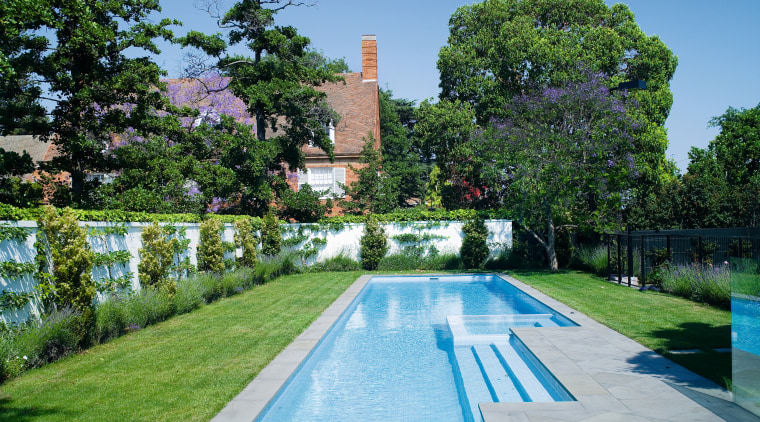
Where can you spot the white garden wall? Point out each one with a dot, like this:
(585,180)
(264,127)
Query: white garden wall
(445,236)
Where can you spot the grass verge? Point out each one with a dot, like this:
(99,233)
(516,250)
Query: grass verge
(658,321)
(184,369)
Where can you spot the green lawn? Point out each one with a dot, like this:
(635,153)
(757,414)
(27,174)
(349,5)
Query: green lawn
(659,321)
(188,368)
(185,369)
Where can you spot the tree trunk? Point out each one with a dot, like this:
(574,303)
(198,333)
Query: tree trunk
(551,253)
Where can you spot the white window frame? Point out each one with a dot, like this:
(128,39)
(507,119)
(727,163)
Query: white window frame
(324,178)
(330,129)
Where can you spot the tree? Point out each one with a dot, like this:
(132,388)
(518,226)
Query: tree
(567,153)
(401,160)
(374,244)
(12,190)
(277,84)
(499,49)
(84,71)
(375,191)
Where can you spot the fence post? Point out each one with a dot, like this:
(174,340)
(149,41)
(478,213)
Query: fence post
(643,264)
(667,243)
(629,245)
(607,241)
(619,263)
(699,250)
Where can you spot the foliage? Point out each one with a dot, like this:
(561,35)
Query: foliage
(14,300)
(375,191)
(210,250)
(246,239)
(271,237)
(592,259)
(12,190)
(338,263)
(278,85)
(401,159)
(404,261)
(56,335)
(157,257)
(567,154)
(84,57)
(304,206)
(474,250)
(374,244)
(9,232)
(703,283)
(500,49)
(65,260)
(110,258)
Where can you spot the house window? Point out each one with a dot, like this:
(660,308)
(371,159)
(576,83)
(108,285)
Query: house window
(329,128)
(323,179)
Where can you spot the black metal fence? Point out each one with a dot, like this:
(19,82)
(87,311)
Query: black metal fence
(632,256)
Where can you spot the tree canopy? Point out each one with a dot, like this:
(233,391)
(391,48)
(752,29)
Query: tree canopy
(81,72)
(565,158)
(498,49)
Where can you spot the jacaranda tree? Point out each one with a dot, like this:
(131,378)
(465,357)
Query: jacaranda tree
(567,154)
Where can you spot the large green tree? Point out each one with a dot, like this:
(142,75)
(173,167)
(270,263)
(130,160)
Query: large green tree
(501,48)
(401,160)
(70,59)
(277,83)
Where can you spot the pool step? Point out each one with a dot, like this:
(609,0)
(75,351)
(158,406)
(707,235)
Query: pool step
(497,373)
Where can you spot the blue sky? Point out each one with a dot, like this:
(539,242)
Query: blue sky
(717,44)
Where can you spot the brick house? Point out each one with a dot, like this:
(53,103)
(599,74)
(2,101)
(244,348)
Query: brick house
(357,102)
(355,99)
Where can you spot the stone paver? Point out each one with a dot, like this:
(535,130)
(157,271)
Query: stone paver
(612,377)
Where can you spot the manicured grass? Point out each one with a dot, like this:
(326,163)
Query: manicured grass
(185,369)
(658,321)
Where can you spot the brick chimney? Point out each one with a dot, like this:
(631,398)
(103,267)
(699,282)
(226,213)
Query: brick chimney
(369,58)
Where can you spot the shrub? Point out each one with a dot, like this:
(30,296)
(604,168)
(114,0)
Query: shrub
(147,307)
(56,335)
(189,295)
(374,244)
(65,258)
(156,258)
(474,250)
(591,258)
(211,251)
(12,362)
(271,238)
(246,239)
(304,206)
(110,318)
(337,263)
(271,267)
(703,283)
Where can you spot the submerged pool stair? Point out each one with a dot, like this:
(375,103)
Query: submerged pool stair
(496,373)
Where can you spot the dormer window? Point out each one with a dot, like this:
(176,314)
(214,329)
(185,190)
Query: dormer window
(329,129)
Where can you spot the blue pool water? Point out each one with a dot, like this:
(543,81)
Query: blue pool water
(412,348)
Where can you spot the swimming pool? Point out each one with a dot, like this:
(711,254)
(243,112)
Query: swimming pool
(422,348)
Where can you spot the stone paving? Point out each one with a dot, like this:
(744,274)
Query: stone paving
(612,377)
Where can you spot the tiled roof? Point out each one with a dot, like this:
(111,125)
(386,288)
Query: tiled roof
(38,150)
(355,100)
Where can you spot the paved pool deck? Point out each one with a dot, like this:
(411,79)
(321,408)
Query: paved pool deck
(612,377)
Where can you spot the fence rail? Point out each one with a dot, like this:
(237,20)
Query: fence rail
(632,256)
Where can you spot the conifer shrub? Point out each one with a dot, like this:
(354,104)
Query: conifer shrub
(156,258)
(271,238)
(246,239)
(374,244)
(474,250)
(210,250)
(65,259)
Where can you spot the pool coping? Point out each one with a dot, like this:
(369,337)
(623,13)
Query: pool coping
(611,376)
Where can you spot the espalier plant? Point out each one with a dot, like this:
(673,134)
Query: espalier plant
(246,239)
(211,250)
